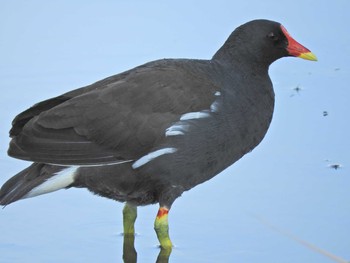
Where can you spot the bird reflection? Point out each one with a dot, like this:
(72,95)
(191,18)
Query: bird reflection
(130,254)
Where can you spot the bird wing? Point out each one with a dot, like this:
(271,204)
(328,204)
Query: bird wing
(114,120)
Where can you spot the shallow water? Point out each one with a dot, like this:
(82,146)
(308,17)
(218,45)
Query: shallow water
(206,224)
(280,203)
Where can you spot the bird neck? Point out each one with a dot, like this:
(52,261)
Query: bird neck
(238,54)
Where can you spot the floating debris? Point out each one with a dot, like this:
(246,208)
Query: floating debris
(297,90)
(335,166)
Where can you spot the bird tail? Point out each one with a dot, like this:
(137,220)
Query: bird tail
(35,180)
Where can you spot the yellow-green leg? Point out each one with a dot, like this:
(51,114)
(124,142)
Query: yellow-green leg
(129,218)
(162,228)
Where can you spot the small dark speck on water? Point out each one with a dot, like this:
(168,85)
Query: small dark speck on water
(297,90)
(335,166)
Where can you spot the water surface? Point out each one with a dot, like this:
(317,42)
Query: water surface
(243,214)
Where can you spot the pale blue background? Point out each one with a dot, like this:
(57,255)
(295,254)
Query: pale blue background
(47,48)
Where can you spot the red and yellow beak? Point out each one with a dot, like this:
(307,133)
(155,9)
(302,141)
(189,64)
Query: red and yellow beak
(297,50)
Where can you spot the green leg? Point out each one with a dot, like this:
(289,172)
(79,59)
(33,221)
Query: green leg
(129,217)
(162,228)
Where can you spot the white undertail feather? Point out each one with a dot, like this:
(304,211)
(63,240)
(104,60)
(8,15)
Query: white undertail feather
(59,181)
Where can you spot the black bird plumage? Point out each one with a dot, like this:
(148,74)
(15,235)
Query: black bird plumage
(148,134)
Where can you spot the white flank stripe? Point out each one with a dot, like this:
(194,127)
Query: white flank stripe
(177,129)
(152,155)
(194,115)
(214,107)
(61,180)
(183,125)
(170,132)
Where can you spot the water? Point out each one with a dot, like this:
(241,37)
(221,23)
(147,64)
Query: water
(280,203)
(215,222)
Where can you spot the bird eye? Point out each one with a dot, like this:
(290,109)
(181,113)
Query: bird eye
(273,37)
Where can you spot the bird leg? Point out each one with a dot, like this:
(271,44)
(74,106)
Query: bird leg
(162,228)
(129,217)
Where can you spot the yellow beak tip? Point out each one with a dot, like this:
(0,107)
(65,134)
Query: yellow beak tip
(308,56)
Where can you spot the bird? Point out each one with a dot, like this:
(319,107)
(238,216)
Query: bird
(147,135)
